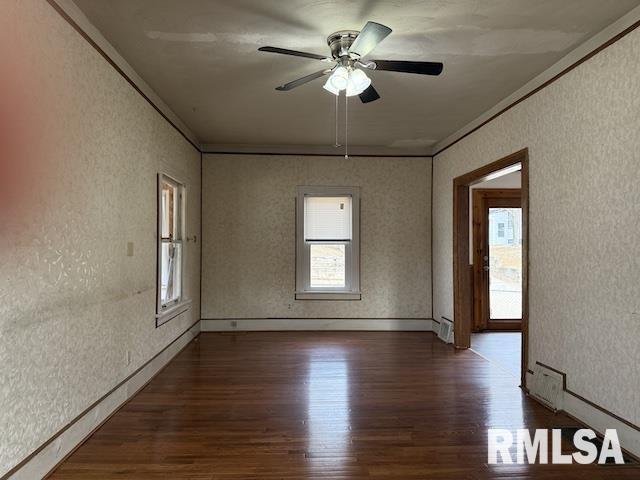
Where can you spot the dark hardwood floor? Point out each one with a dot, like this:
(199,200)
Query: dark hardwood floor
(321,405)
(502,348)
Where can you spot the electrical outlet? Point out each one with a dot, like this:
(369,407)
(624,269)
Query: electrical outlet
(129,249)
(234,324)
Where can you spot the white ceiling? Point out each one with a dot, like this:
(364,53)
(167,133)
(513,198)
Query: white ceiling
(201,57)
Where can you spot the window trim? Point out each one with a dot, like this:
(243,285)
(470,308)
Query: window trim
(352,250)
(167,312)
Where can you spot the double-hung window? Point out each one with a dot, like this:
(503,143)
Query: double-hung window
(327,243)
(170,243)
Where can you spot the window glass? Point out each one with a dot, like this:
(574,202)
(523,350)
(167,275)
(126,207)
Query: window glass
(327,265)
(170,255)
(168,207)
(505,263)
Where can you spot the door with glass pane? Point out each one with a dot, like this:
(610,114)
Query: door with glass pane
(498,259)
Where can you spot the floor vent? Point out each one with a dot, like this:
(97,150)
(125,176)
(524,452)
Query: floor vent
(547,386)
(446,330)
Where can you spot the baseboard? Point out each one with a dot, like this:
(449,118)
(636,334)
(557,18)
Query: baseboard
(316,324)
(46,458)
(597,418)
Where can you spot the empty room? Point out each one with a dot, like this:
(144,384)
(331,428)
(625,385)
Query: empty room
(319,239)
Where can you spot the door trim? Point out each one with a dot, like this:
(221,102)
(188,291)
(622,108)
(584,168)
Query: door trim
(462,281)
(482,200)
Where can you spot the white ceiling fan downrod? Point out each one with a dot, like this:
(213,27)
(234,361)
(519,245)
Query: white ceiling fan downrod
(346,127)
(337,143)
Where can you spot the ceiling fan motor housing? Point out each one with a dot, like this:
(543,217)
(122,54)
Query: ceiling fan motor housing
(339,43)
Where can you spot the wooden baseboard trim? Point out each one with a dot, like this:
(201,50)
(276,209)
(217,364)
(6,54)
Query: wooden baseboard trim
(587,401)
(593,415)
(42,461)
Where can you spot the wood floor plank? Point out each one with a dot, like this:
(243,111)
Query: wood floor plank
(320,405)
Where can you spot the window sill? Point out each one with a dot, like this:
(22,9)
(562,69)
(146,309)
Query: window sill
(172,312)
(328,296)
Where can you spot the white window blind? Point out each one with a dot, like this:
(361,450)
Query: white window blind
(327,218)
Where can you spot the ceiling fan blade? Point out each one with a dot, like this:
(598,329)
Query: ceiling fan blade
(301,81)
(370,36)
(294,53)
(421,68)
(369,95)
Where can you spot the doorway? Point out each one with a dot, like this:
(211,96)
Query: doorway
(497,257)
(498,310)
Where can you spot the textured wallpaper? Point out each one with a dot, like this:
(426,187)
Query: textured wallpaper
(583,138)
(72,303)
(249,235)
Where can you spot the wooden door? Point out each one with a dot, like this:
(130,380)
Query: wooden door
(497,259)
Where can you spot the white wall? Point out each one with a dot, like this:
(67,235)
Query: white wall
(249,235)
(84,149)
(582,135)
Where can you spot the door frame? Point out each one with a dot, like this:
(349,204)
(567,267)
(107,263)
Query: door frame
(462,277)
(483,199)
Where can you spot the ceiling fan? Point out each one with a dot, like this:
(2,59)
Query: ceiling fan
(348,47)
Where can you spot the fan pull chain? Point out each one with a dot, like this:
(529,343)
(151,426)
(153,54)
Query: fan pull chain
(337,144)
(346,127)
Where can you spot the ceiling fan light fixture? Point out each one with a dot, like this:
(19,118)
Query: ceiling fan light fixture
(330,88)
(339,79)
(358,82)
(348,48)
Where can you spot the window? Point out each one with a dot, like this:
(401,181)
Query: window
(328,243)
(501,230)
(171,196)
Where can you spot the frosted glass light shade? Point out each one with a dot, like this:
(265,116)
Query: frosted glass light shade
(339,78)
(358,82)
(330,88)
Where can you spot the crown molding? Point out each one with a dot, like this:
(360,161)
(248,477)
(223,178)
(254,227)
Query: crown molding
(78,20)
(594,45)
(314,150)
